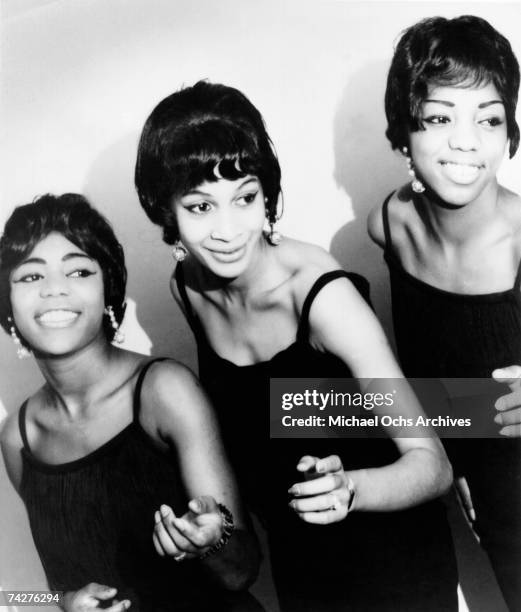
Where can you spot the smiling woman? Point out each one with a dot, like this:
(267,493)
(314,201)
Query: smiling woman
(452,241)
(117,457)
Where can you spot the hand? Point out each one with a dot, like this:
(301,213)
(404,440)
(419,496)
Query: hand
(326,495)
(191,535)
(509,405)
(90,597)
(463,491)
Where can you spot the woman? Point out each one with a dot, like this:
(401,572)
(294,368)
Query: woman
(452,241)
(116,457)
(263,307)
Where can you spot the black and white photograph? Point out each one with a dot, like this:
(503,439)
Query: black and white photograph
(218,217)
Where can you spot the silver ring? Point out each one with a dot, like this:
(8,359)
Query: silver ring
(180,557)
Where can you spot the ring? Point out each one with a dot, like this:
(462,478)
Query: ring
(180,557)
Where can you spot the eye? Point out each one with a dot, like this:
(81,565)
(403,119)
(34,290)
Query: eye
(491,121)
(436,119)
(80,273)
(247,198)
(29,278)
(200,208)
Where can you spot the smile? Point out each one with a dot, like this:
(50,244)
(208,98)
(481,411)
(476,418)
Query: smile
(57,318)
(228,256)
(463,174)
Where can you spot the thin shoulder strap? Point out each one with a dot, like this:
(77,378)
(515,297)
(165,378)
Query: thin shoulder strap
(517,282)
(22,426)
(386,224)
(191,317)
(358,281)
(136,403)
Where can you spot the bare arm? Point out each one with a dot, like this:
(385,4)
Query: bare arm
(185,420)
(344,325)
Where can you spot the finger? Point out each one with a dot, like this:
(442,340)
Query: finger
(506,402)
(120,606)
(318,503)
(332,463)
(510,417)
(100,591)
(170,523)
(324,484)
(157,545)
(511,431)
(307,463)
(203,504)
(164,539)
(324,518)
(510,375)
(463,491)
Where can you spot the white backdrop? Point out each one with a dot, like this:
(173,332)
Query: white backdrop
(79,78)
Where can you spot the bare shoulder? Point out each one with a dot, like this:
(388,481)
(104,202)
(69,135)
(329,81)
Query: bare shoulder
(306,262)
(396,212)
(11,443)
(171,394)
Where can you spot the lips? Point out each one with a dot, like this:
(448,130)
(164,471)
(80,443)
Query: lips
(461,173)
(57,317)
(228,255)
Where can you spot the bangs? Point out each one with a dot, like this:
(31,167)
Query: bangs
(211,150)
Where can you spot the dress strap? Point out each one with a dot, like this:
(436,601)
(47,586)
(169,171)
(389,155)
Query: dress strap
(386,224)
(136,403)
(22,426)
(191,317)
(517,282)
(361,284)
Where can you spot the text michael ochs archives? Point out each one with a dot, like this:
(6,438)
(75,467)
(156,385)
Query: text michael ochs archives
(323,408)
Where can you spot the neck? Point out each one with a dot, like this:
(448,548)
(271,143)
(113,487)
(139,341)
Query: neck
(459,224)
(75,381)
(252,281)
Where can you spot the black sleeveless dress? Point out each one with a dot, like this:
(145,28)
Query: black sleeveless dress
(370,561)
(92,520)
(440,334)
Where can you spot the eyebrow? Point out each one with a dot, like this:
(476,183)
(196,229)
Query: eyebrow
(251,179)
(451,104)
(67,257)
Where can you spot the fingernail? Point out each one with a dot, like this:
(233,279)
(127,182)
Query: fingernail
(196,505)
(165,511)
(472,515)
(293,490)
(498,419)
(157,517)
(505,432)
(319,468)
(126,604)
(292,505)
(301,466)
(499,404)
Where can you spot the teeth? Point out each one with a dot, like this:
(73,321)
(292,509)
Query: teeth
(58,316)
(461,173)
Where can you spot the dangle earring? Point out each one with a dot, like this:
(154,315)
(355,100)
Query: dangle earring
(119,336)
(179,251)
(274,237)
(21,351)
(417,185)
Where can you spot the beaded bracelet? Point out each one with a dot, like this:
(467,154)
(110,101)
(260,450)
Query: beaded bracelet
(228,527)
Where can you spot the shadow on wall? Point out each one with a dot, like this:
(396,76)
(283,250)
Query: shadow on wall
(156,324)
(367,171)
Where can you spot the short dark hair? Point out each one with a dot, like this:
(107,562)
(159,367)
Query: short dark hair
(72,216)
(193,131)
(465,51)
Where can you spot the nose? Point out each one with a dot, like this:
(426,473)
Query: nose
(226,227)
(464,136)
(54,284)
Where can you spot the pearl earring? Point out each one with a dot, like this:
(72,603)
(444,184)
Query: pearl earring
(417,185)
(21,351)
(274,237)
(119,336)
(179,251)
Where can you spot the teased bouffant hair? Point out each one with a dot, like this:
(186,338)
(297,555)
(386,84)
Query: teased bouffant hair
(72,216)
(466,51)
(191,133)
